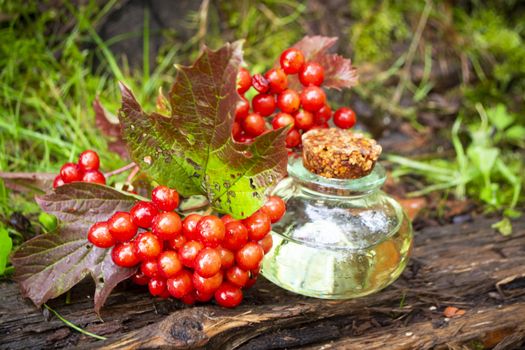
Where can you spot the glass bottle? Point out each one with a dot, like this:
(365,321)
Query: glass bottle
(339,238)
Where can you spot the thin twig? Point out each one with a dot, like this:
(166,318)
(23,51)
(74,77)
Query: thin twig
(72,325)
(120,170)
(132,174)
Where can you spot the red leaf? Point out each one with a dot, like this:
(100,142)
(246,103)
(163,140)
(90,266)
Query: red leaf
(109,125)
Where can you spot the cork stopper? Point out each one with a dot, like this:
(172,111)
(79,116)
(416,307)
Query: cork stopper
(340,154)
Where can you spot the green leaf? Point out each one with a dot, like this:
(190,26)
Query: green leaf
(6,244)
(51,264)
(483,158)
(500,117)
(192,150)
(515,133)
(504,226)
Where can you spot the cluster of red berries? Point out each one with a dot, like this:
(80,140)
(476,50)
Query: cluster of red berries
(86,170)
(194,259)
(304,110)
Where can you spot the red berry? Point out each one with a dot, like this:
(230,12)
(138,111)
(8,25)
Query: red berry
(165,294)
(311,74)
(313,98)
(143,213)
(263,104)
(227,218)
(211,230)
(266,243)
(203,297)
(242,109)
(236,236)
(253,278)
(207,285)
(304,120)
(291,60)
(94,176)
(100,236)
(207,262)
(157,286)
(237,276)
(166,225)
(165,198)
(323,115)
(190,298)
(177,242)
(236,130)
(188,252)
(245,139)
(70,172)
(288,101)
(122,227)
(258,225)
(189,226)
(58,182)
(140,278)
(147,246)
(260,83)
(227,257)
(88,160)
(282,119)
(150,268)
(344,118)
(277,79)
(275,208)
(244,80)
(124,255)
(249,257)
(293,138)
(169,264)
(228,295)
(254,124)
(180,285)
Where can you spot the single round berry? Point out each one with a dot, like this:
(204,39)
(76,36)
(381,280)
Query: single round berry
(311,73)
(236,236)
(57,182)
(140,278)
(88,160)
(180,285)
(304,120)
(123,255)
(254,124)
(122,226)
(147,246)
(266,243)
(177,242)
(207,285)
(166,225)
(70,172)
(94,176)
(323,115)
(157,286)
(242,109)
(344,118)
(189,226)
(227,218)
(236,131)
(253,278)
(188,252)
(150,268)
(169,264)
(165,198)
(228,295)
(277,79)
(293,139)
(313,98)
(288,101)
(237,276)
(263,104)
(207,262)
(249,257)
(203,297)
(190,298)
(244,80)
(143,213)
(258,225)
(291,60)
(275,208)
(281,120)
(260,83)
(211,230)
(227,257)
(100,236)
(165,294)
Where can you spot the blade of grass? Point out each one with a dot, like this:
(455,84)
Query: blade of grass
(73,326)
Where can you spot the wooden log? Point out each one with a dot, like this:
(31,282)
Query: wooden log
(468,266)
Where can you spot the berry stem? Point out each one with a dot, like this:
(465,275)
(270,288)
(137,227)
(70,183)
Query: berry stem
(121,170)
(132,174)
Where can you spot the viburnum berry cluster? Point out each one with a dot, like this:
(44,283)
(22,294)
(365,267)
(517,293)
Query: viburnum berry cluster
(85,170)
(193,259)
(303,110)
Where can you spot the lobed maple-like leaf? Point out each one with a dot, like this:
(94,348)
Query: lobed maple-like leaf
(51,264)
(192,149)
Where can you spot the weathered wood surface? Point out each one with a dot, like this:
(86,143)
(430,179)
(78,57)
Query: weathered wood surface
(468,266)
